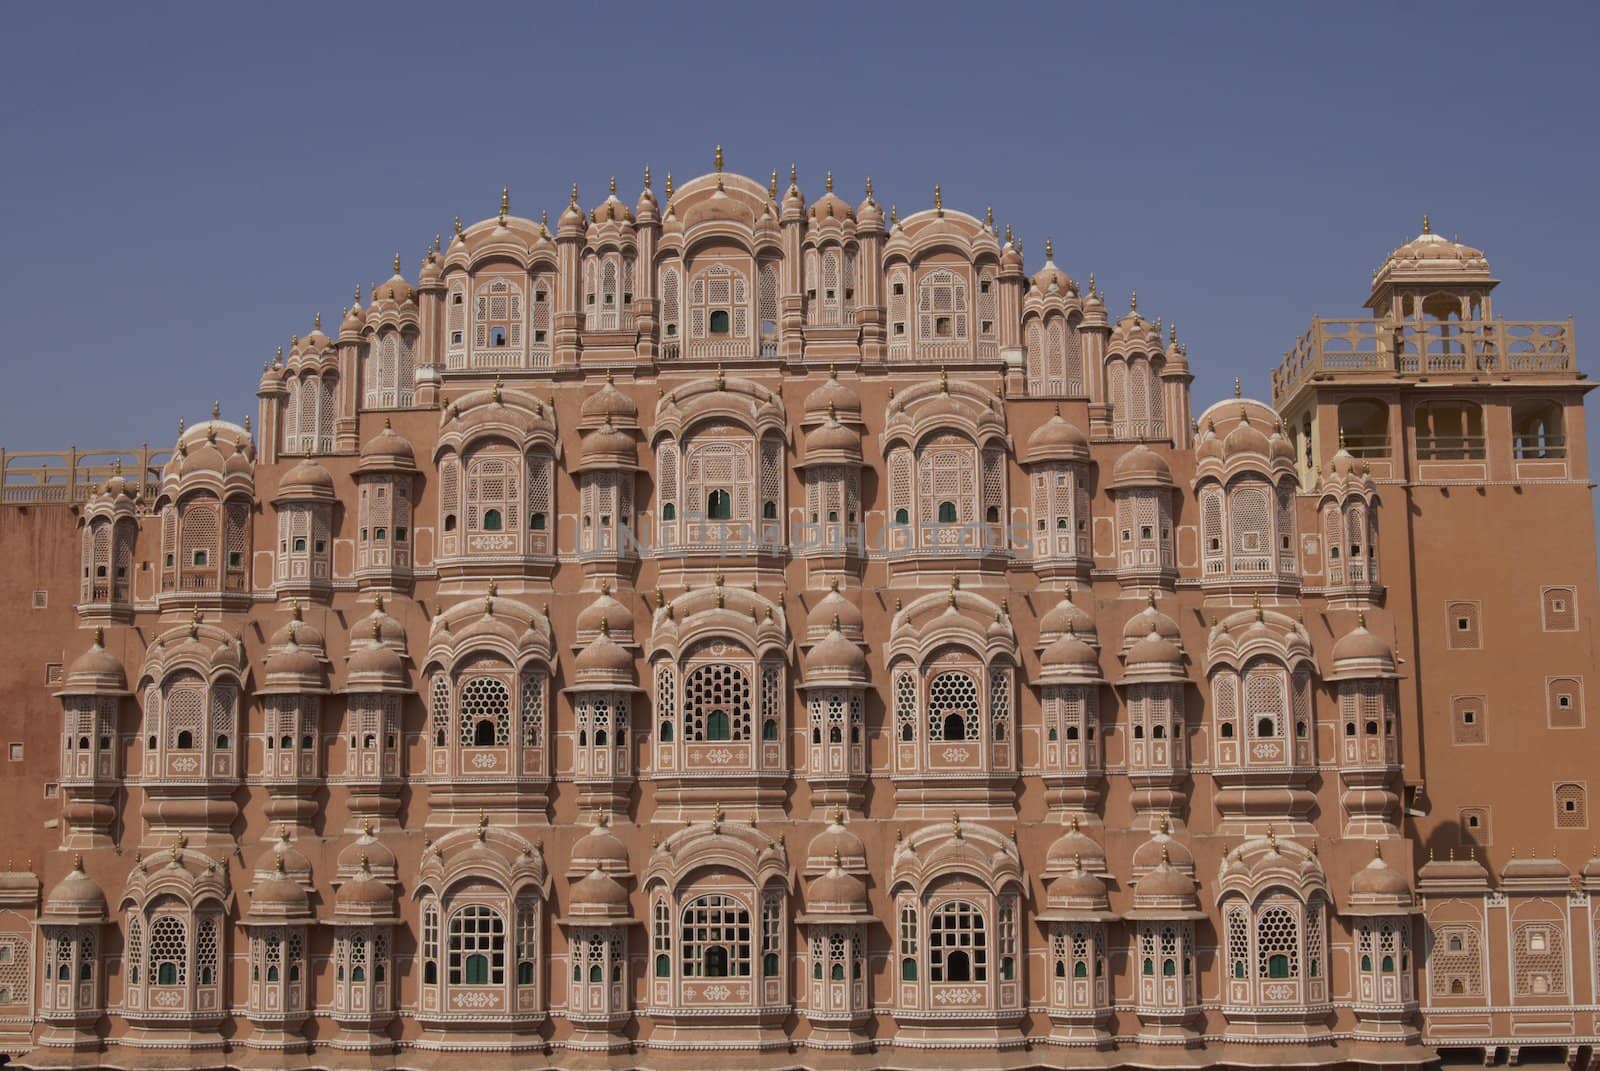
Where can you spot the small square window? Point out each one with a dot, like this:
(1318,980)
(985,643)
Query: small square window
(457,298)
(538,295)
(899,288)
(400,534)
(1127,535)
(1558,605)
(1469,717)
(51,790)
(1473,822)
(1463,624)
(1570,806)
(538,336)
(899,328)
(455,338)
(1146,532)
(200,557)
(321,546)
(235,559)
(41,599)
(16,752)
(983,286)
(1564,701)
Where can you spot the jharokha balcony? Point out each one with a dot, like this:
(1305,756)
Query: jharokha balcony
(1377,346)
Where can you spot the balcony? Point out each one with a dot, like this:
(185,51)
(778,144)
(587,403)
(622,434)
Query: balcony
(65,477)
(1335,347)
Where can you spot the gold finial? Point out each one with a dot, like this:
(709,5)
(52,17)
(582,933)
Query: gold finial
(717,160)
(1166,860)
(869,189)
(1172,331)
(544,221)
(772,185)
(216,410)
(838,815)
(716,818)
(458,235)
(194,623)
(316,322)
(669,185)
(574,194)
(1133,302)
(944,381)
(1049,248)
(613,185)
(1238,392)
(721,379)
(955,826)
(938,199)
(1091,285)
(397,263)
(988,216)
(483,824)
(829,182)
(1427,225)
(505,202)
(1361,619)
(438,244)
(1165,827)
(1008,234)
(794,175)
(495,392)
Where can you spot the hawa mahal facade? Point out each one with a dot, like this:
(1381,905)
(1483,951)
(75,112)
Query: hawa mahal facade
(733,627)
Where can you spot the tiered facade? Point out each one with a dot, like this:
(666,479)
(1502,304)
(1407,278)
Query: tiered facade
(732,623)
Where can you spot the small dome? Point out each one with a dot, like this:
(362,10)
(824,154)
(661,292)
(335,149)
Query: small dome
(96,670)
(367,852)
(1245,438)
(1360,645)
(374,666)
(835,656)
(1072,848)
(277,895)
(605,613)
(1430,254)
(598,895)
(388,451)
(296,631)
(600,849)
(834,605)
(1146,621)
(1155,650)
(608,405)
(1052,280)
(389,631)
(1067,616)
(833,399)
(76,896)
(836,841)
(294,667)
(1208,445)
(604,660)
(1069,652)
(1164,882)
(396,289)
(1057,439)
(608,448)
(833,438)
(1141,467)
(1078,889)
(364,894)
(831,206)
(836,892)
(1378,878)
(308,479)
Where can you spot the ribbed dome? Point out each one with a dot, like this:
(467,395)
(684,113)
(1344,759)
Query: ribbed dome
(833,438)
(96,670)
(308,479)
(1361,645)
(296,630)
(294,667)
(1146,621)
(835,841)
(1070,652)
(819,622)
(836,892)
(396,289)
(375,666)
(1072,848)
(389,631)
(1245,438)
(600,848)
(1164,882)
(835,656)
(1155,650)
(76,896)
(835,398)
(608,448)
(365,895)
(1057,439)
(598,895)
(604,661)
(388,451)
(605,612)
(1067,616)
(1141,466)
(608,405)
(277,895)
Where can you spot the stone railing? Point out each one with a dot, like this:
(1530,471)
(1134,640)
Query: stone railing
(1333,347)
(65,477)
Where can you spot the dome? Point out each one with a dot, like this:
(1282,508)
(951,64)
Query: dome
(374,666)
(836,841)
(1066,616)
(1245,438)
(277,895)
(296,631)
(96,670)
(600,849)
(367,852)
(604,661)
(396,289)
(836,892)
(1057,439)
(1071,656)
(833,438)
(308,479)
(1141,467)
(834,606)
(1359,650)
(608,405)
(1072,849)
(1279,446)
(1208,445)
(831,206)
(605,614)
(834,657)
(1155,652)
(598,895)
(607,448)
(1078,889)
(1051,279)
(1432,255)
(1146,621)
(1164,882)
(389,632)
(833,400)
(365,895)
(388,451)
(1378,878)
(612,209)
(1161,847)
(76,896)
(294,668)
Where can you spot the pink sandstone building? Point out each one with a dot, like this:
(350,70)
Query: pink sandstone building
(733,630)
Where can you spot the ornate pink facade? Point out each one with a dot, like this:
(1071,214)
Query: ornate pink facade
(733,628)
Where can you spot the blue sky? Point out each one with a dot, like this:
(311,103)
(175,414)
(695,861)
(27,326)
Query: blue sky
(183,186)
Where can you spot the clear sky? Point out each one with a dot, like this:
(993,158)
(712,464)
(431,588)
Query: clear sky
(183,186)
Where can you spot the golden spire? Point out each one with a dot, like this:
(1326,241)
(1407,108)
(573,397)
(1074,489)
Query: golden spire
(1133,302)
(988,216)
(438,243)
(1361,619)
(794,175)
(869,189)
(717,160)
(1238,392)
(894,214)
(1172,331)
(1049,248)
(316,322)
(829,182)
(944,380)
(483,824)
(613,185)
(495,392)
(716,818)
(458,235)
(955,826)
(574,201)
(397,263)
(669,185)
(938,199)
(1091,284)
(1008,234)
(216,410)
(772,185)
(1427,225)
(505,202)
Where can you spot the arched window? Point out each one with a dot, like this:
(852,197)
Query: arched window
(942,307)
(947,512)
(169,950)
(716,938)
(958,948)
(717,703)
(485,707)
(1364,427)
(953,707)
(477,946)
(1278,943)
(719,304)
(1449,431)
(1536,427)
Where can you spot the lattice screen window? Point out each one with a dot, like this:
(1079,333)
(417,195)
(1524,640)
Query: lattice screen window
(958,946)
(953,712)
(541,504)
(771,933)
(900,495)
(1277,943)
(1238,942)
(183,705)
(133,951)
(1000,702)
(1116,376)
(994,485)
(719,304)
(1213,541)
(661,938)
(1538,962)
(1071,358)
(455,318)
(767,314)
(224,712)
(1250,523)
(1136,406)
(771,700)
(905,704)
(440,709)
(485,713)
(169,951)
(1462,631)
(947,482)
(430,943)
(527,939)
(899,314)
(539,344)
(1333,544)
(771,478)
(1265,700)
(477,946)
(717,703)
(716,938)
(666,700)
(497,318)
(725,467)
(1283,528)
(942,307)
(988,295)
(1572,809)
(671,302)
(1038,358)
(532,708)
(199,541)
(494,496)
